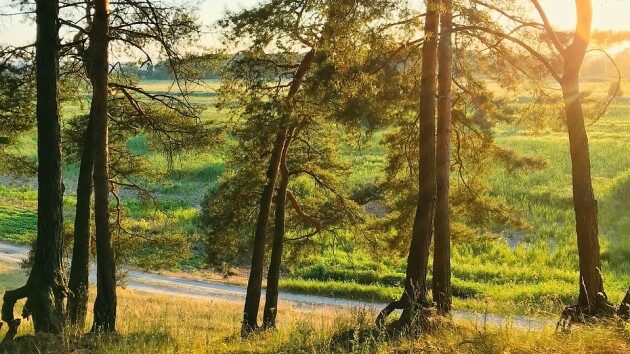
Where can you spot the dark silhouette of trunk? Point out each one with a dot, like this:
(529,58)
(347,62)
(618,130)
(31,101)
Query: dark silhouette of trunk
(442,243)
(80,267)
(417,262)
(584,201)
(105,304)
(414,297)
(254,283)
(45,287)
(273,275)
(624,308)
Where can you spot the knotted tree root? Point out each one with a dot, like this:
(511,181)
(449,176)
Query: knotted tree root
(9,299)
(601,310)
(624,308)
(416,315)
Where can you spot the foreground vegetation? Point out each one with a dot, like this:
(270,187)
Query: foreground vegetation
(151,323)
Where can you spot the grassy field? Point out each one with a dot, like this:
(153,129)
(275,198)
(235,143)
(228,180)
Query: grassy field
(149,323)
(535,273)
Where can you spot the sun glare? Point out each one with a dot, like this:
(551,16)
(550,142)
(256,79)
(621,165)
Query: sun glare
(607,14)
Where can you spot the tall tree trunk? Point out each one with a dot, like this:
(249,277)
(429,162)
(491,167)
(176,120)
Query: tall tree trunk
(45,287)
(80,268)
(273,276)
(254,283)
(442,244)
(417,262)
(105,304)
(584,201)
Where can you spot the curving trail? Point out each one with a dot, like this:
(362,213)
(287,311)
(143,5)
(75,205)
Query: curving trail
(208,290)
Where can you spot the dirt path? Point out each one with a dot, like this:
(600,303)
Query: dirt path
(208,290)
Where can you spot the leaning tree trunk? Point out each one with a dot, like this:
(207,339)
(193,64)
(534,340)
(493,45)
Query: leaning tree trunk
(273,276)
(80,266)
(45,287)
(105,304)
(417,262)
(254,283)
(584,202)
(442,245)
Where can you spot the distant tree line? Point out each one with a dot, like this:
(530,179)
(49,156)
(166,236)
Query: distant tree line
(160,71)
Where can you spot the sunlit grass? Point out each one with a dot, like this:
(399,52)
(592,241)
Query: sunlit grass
(150,323)
(539,276)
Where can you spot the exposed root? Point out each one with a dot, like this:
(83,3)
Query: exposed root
(601,310)
(416,317)
(250,330)
(624,308)
(8,305)
(382,316)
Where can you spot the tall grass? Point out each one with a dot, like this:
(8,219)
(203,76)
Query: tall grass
(150,323)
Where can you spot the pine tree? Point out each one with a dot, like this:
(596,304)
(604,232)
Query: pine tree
(45,287)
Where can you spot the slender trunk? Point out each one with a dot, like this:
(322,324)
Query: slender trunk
(105,304)
(45,287)
(254,283)
(584,202)
(273,276)
(80,268)
(417,262)
(442,251)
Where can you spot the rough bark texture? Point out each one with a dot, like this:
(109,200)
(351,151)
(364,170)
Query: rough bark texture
(584,201)
(624,308)
(273,275)
(254,283)
(105,304)
(417,261)
(80,267)
(442,244)
(45,288)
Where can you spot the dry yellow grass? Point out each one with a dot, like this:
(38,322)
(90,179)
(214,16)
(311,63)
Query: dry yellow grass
(152,323)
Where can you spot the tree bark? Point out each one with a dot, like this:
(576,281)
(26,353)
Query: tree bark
(417,261)
(273,275)
(105,304)
(442,244)
(254,283)
(45,288)
(584,202)
(624,308)
(80,267)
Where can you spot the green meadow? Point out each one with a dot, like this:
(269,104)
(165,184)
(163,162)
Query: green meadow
(530,271)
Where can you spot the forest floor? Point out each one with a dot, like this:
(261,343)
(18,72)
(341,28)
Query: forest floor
(167,323)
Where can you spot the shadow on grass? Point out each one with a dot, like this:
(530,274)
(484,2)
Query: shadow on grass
(357,339)
(150,342)
(207,173)
(615,223)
